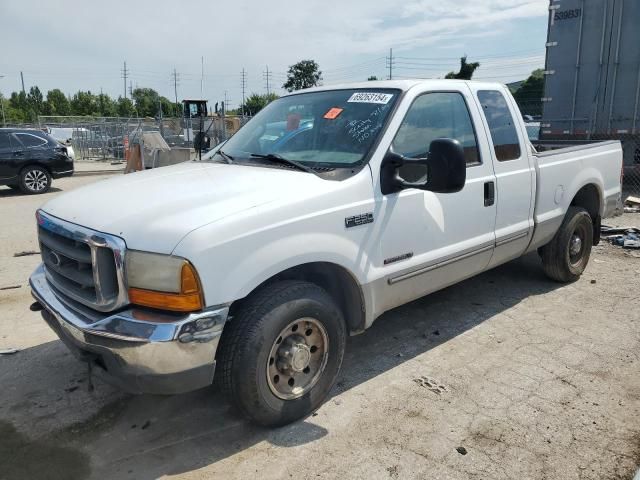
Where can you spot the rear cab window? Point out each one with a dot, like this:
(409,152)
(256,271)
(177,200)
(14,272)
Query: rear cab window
(501,125)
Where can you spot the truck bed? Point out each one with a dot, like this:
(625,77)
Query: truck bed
(563,172)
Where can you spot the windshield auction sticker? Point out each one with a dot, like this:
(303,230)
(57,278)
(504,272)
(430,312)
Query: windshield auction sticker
(333,113)
(370,97)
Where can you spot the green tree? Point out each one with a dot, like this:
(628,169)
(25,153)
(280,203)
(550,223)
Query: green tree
(256,102)
(84,103)
(35,103)
(304,74)
(529,95)
(146,101)
(18,101)
(106,106)
(466,70)
(372,78)
(125,107)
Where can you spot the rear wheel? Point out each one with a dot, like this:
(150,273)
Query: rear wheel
(35,179)
(281,353)
(566,256)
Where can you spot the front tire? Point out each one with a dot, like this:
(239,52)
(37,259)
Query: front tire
(35,180)
(281,352)
(566,256)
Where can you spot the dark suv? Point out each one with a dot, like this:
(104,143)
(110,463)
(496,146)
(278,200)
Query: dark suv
(29,159)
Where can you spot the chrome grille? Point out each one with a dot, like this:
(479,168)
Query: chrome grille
(82,264)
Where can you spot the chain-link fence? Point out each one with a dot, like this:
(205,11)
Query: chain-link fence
(104,138)
(631,156)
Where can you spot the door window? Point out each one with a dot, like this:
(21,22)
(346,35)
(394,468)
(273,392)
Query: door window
(501,125)
(437,115)
(30,141)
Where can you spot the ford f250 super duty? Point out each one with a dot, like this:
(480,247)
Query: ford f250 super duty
(328,208)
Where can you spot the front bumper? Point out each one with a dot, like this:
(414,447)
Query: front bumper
(139,350)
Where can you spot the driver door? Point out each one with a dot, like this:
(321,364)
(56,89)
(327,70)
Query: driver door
(431,240)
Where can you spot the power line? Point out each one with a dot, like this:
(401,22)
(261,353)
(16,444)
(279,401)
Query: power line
(125,74)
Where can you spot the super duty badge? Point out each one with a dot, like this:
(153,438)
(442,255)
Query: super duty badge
(358,220)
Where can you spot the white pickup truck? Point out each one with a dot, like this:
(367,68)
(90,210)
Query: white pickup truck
(328,208)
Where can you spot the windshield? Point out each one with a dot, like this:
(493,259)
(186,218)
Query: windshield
(332,128)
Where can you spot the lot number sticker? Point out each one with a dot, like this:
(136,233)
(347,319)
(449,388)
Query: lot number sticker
(370,97)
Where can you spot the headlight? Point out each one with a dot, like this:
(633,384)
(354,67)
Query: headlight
(163,281)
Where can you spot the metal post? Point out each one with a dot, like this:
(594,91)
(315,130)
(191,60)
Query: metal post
(22,80)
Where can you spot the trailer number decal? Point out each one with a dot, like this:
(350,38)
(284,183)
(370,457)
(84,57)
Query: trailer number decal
(567,14)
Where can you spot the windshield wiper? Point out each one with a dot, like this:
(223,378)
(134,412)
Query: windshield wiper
(274,157)
(227,158)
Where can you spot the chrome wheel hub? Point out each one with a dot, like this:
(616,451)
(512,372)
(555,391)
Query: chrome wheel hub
(297,358)
(576,245)
(35,180)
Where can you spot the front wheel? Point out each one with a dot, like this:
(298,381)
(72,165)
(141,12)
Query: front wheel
(566,256)
(281,352)
(35,179)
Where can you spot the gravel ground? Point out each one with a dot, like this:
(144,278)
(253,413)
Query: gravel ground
(506,375)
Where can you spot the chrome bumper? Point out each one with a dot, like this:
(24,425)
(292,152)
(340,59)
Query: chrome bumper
(139,350)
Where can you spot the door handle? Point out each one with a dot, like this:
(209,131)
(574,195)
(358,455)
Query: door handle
(18,154)
(489,193)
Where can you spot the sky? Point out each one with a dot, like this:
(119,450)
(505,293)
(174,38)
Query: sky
(81,45)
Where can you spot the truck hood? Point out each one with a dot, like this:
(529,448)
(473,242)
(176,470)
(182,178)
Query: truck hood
(153,210)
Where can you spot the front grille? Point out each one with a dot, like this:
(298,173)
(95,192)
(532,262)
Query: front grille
(84,265)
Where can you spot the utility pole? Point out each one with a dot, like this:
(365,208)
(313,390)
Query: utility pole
(4,120)
(390,60)
(130,89)
(125,74)
(225,105)
(175,85)
(244,85)
(201,76)
(22,79)
(267,76)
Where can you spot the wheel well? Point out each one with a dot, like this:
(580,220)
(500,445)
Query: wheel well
(338,283)
(588,197)
(35,164)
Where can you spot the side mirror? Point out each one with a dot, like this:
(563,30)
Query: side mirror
(444,170)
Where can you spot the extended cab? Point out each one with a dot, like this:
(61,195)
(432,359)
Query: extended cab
(328,208)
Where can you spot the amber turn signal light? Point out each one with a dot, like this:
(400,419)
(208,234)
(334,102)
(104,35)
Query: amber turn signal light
(188,300)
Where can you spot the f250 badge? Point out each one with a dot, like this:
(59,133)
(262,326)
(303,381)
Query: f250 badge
(357,220)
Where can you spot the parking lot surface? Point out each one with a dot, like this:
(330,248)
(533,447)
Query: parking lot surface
(504,376)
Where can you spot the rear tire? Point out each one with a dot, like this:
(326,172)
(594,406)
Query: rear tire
(35,180)
(281,352)
(566,256)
